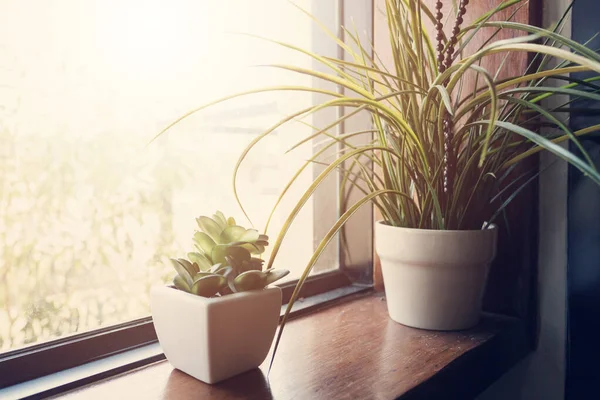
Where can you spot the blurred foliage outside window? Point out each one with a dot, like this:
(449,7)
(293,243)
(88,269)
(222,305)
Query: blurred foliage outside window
(89,212)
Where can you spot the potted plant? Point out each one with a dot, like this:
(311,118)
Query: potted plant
(439,162)
(219,318)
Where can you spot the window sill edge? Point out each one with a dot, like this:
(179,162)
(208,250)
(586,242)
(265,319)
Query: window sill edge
(94,371)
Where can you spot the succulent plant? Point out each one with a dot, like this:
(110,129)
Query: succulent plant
(223,261)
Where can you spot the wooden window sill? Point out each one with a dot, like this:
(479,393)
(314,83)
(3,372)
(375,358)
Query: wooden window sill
(349,350)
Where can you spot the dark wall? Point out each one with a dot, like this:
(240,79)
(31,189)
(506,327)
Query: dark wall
(583,269)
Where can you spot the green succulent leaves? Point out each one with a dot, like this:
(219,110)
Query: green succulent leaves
(208,285)
(181,284)
(249,280)
(232,234)
(210,227)
(223,261)
(200,260)
(253,279)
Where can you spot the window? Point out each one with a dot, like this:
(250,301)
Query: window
(89,211)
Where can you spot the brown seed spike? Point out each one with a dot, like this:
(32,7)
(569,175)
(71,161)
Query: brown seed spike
(447,128)
(440,35)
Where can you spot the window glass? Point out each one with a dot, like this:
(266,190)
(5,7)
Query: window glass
(90,210)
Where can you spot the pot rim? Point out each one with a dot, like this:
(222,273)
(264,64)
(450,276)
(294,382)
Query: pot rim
(229,297)
(492,228)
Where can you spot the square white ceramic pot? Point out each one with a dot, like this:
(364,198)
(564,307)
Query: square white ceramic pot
(213,339)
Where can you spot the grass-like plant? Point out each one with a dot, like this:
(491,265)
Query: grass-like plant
(440,155)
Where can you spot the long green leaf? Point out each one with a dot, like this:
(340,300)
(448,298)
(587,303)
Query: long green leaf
(316,254)
(551,147)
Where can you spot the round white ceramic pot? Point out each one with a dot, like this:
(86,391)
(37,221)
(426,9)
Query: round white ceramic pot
(435,279)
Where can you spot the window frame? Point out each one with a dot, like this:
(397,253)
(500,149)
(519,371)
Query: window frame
(355,268)
(46,358)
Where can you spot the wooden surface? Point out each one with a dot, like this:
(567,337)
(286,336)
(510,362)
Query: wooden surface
(347,351)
